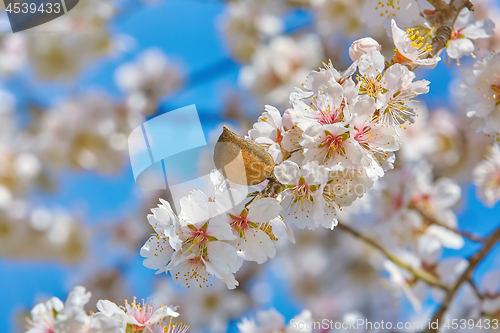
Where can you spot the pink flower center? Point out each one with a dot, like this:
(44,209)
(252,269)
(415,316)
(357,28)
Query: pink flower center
(279,137)
(141,311)
(301,192)
(334,144)
(456,34)
(199,236)
(330,116)
(240,223)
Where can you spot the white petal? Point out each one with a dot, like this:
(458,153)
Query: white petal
(264,210)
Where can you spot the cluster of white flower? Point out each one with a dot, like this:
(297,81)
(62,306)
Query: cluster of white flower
(338,138)
(69,317)
(211,236)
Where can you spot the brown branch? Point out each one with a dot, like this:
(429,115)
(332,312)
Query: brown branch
(446,15)
(475,288)
(489,243)
(420,274)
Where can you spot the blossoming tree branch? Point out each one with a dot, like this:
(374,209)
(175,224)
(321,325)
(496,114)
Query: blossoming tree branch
(335,142)
(344,157)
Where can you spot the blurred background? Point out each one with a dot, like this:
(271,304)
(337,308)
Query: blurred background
(72,90)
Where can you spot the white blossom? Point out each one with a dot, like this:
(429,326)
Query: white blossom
(487,177)
(465,30)
(481,85)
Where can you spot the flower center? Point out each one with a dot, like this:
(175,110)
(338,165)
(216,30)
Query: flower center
(496,92)
(279,137)
(370,86)
(301,192)
(417,41)
(239,223)
(140,311)
(364,136)
(495,182)
(334,144)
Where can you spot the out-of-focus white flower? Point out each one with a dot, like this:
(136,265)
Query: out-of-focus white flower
(13,53)
(399,281)
(335,17)
(363,46)
(147,80)
(465,30)
(491,287)
(436,199)
(99,323)
(213,308)
(73,317)
(481,86)
(89,132)
(272,80)
(76,41)
(248,23)
(487,177)
(271,321)
(376,12)
(54,316)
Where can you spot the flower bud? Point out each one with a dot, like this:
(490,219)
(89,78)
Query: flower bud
(363,46)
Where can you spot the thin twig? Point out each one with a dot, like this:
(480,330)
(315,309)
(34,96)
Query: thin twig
(420,274)
(489,243)
(432,219)
(476,290)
